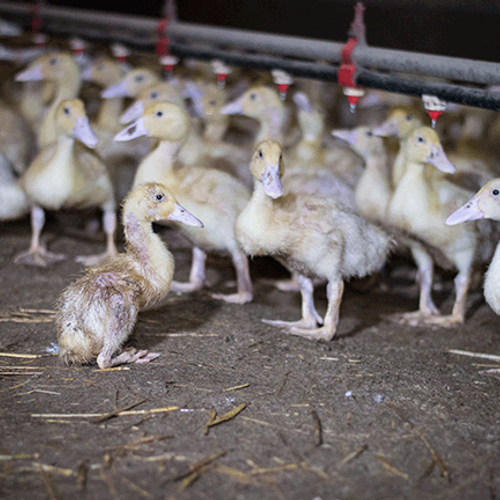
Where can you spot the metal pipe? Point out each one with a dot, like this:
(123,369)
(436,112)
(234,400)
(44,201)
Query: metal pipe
(141,32)
(459,94)
(452,68)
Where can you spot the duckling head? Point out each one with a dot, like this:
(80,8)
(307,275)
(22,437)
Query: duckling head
(484,205)
(267,167)
(311,120)
(72,120)
(257,102)
(163,120)
(54,67)
(132,84)
(208,99)
(162,92)
(104,72)
(362,140)
(424,146)
(154,202)
(401,121)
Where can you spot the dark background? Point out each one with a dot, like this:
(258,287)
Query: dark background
(460,28)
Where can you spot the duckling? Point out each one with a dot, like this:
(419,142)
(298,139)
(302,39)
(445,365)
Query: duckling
(13,200)
(264,105)
(215,196)
(374,189)
(484,205)
(97,313)
(132,84)
(61,70)
(316,237)
(401,122)
(66,174)
(420,205)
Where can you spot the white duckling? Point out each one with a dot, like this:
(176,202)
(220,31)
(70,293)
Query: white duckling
(420,205)
(97,313)
(484,205)
(13,200)
(61,70)
(66,174)
(316,237)
(215,196)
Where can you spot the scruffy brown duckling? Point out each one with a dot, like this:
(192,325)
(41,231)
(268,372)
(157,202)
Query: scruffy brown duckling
(97,313)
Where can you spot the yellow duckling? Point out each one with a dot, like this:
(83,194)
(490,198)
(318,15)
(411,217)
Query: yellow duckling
(66,174)
(484,205)
(401,122)
(63,72)
(316,237)
(420,205)
(97,313)
(215,196)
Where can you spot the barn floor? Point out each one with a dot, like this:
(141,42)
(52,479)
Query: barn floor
(380,412)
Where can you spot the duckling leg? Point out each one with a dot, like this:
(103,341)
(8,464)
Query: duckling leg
(427,309)
(196,275)
(462,283)
(334,291)
(109,225)
(290,285)
(143,356)
(245,287)
(37,255)
(310,317)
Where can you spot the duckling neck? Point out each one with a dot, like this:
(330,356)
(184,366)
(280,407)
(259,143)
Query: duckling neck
(152,259)
(68,89)
(158,166)
(257,232)
(108,117)
(272,126)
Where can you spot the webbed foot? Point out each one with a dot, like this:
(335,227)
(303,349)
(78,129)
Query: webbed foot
(40,257)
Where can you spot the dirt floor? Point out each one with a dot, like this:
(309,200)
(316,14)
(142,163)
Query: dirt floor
(380,412)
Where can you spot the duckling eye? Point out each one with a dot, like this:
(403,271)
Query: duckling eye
(253,97)
(139,78)
(495,192)
(420,139)
(53,61)
(369,133)
(212,103)
(154,95)
(159,113)
(66,111)
(409,118)
(261,154)
(160,197)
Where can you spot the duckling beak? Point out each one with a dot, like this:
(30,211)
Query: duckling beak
(302,102)
(470,211)
(133,112)
(119,89)
(30,74)
(84,133)
(348,136)
(388,129)
(272,182)
(180,214)
(136,129)
(233,108)
(440,161)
